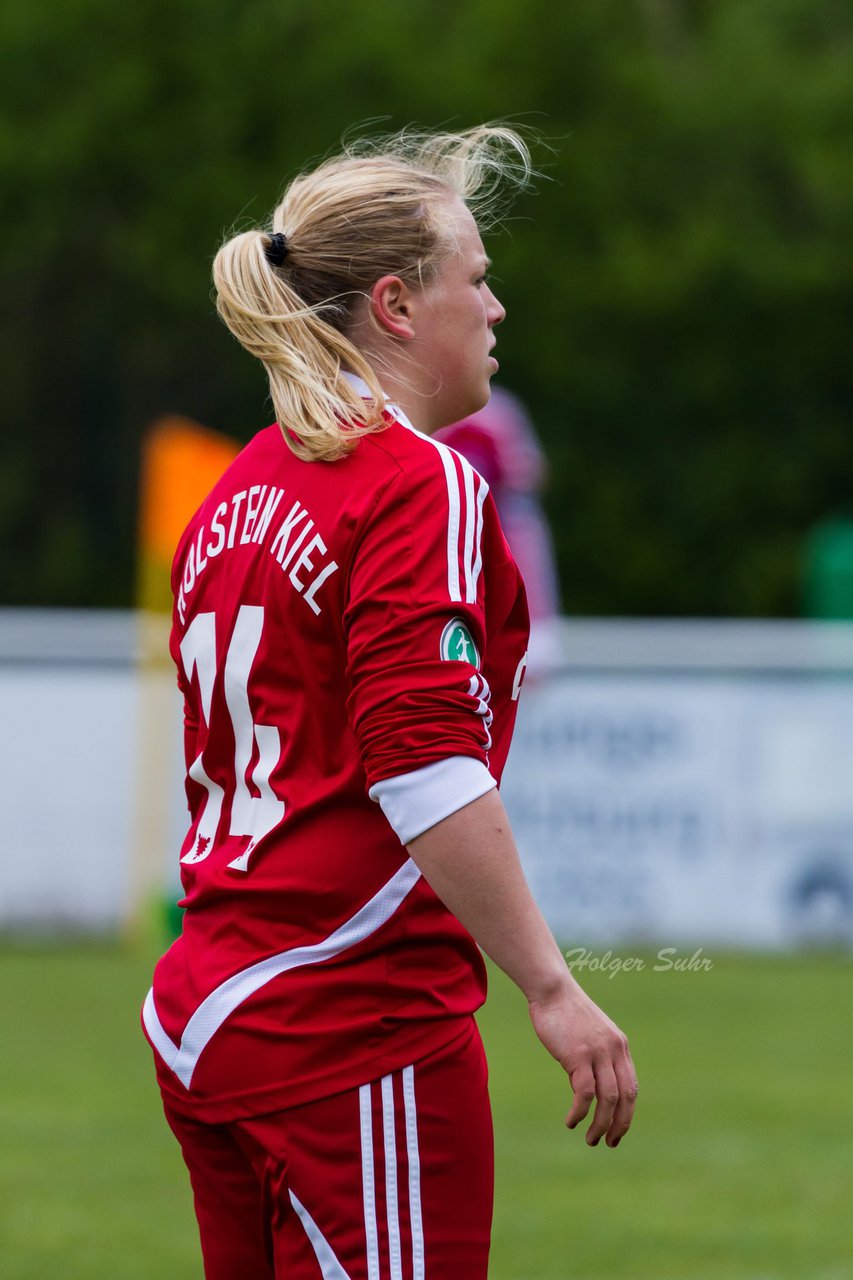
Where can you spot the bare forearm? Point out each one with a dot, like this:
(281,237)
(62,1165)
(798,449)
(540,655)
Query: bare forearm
(471,861)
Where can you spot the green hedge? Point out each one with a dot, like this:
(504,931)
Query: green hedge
(679,287)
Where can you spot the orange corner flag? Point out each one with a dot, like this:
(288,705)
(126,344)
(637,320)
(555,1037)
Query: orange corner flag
(181,462)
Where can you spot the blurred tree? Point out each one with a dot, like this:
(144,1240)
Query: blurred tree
(679,302)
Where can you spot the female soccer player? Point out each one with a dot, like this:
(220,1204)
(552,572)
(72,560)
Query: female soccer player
(350,634)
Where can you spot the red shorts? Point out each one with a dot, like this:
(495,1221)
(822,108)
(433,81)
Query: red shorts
(388,1181)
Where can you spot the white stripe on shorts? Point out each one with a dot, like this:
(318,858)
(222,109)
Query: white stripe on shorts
(415,1215)
(368,1183)
(393,1189)
(390,1139)
(329,1266)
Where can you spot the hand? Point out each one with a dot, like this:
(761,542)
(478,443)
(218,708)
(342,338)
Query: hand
(595,1055)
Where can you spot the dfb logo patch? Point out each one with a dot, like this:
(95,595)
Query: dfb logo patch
(457,644)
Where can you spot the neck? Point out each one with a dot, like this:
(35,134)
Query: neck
(404,391)
(402,378)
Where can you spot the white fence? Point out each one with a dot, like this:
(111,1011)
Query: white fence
(683,783)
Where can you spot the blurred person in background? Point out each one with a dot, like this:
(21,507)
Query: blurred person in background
(350,635)
(501,443)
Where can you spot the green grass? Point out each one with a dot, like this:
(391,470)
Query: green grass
(739,1165)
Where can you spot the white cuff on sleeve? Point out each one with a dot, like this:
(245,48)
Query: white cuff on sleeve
(414,802)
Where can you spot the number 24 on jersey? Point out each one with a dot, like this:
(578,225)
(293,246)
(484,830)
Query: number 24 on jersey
(251,815)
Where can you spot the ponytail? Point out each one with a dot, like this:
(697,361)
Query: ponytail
(304,355)
(381,208)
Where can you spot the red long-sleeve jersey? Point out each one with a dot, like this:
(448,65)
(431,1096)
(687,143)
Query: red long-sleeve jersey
(350,640)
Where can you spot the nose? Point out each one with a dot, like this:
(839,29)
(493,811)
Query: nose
(495,310)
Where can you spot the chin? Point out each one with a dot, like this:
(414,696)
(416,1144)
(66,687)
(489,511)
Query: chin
(468,405)
(482,398)
(480,402)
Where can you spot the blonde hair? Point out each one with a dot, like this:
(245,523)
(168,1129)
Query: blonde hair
(379,208)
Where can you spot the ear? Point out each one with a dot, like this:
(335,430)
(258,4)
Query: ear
(391,307)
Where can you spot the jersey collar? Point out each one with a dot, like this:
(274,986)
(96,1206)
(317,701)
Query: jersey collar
(359,385)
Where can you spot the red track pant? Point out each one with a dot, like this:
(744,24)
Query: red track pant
(388,1181)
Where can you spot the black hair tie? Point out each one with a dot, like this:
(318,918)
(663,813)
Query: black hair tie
(276,249)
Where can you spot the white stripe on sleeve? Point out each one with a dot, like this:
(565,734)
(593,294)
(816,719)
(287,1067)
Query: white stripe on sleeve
(454,502)
(478,561)
(478,688)
(470,520)
(414,802)
(469,552)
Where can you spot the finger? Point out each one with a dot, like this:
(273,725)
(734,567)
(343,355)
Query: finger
(623,1114)
(607,1098)
(583,1087)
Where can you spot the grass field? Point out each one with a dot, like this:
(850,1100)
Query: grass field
(739,1166)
